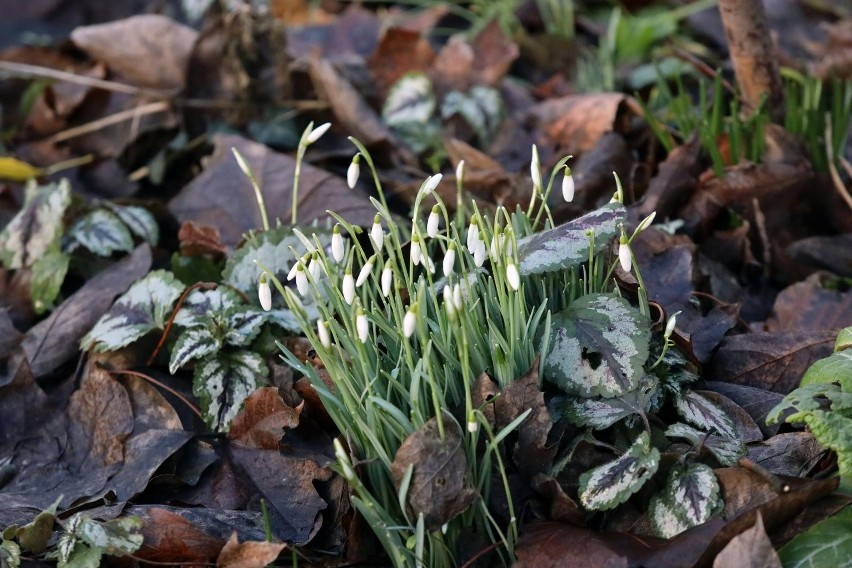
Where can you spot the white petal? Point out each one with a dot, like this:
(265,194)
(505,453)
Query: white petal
(624,257)
(365,273)
(317,132)
(568,188)
(363,327)
(348,288)
(457,296)
(302,282)
(432,224)
(449,261)
(480,253)
(322,332)
(337,245)
(264,294)
(472,236)
(387,280)
(431,183)
(512,276)
(352,174)
(646,222)
(409,323)
(460,171)
(377,235)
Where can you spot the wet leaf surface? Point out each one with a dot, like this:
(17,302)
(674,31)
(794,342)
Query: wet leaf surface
(749,549)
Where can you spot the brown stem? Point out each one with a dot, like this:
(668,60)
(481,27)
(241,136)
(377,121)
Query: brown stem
(203,285)
(753,55)
(163,386)
(774,481)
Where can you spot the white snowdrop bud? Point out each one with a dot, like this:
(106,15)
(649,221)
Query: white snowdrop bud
(460,172)
(670,325)
(317,133)
(416,253)
(535,168)
(448,302)
(387,279)
(431,183)
(430,266)
(362,326)
(497,244)
(472,425)
(315,267)
(337,244)
(376,233)
(568,186)
(302,279)
(409,322)
(292,273)
(366,270)
(354,171)
(449,259)
(348,286)
(624,256)
(512,276)
(457,296)
(646,222)
(481,252)
(432,222)
(473,235)
(264,294)
(322,333)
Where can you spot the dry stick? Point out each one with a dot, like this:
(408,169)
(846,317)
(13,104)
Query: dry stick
(846,166)
(832,168)
(130,114)
(163,386)
(700,66)
(753,54)
(25,70)
(203,285)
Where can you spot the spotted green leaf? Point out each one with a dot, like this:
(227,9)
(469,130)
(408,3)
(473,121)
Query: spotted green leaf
(47,277)
(100,232)
(194,343)
(410,100)
(827,543)
(689,498)
(146,306)
(139,220)
(567,245)
(481,108)
(611,484)
(836,368)
(600,413)
(223,382)
(701,412)
(199,305)
(844,340)
(115,537)
(37,227)
(726,450)
(597,347)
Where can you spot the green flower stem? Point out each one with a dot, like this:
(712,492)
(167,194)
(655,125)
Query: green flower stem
(300,155)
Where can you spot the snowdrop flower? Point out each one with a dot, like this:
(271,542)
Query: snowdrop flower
(348,286)
(431,183)
(473,235)
(460,172)
(387,279)
(365,271)
(302,279)
(448,302)
(264,294)
(416,253)
(354,171)
(535,169)
(317,133)
(430,266)
(322,332)
(497,243)
(409,322)
(646,222)
(457,296)
(292,273)
(432,222)
(512,276)
(362,326)
(568,186)
(337,244)
(315,267)
(449,259)
(481,252)
(472,425)
(376,233)
(670,325)
(624,255)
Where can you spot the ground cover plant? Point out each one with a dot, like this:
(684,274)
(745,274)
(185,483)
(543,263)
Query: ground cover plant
(579,298)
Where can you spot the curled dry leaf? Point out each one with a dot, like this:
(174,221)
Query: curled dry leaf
(749,549)
(399,51)
(196,239)
(263,419)
(248,554)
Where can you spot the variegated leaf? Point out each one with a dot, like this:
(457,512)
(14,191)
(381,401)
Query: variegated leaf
(243,326)
(597,347)
(481,108)
(690,498)
(10,553)
(223,382)
(567,245)
(701,412)
(115,537)
(600,413)
(37,227)
(199,305)
(410,100)
(611,484)
(194,343)
(143,308)
(100,232)
(726,450)
(139,220)
(47,277)
(286,320)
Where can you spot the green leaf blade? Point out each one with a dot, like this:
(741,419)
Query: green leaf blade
(100,232)
(37,227)
(827,543)
(223,382)
(612,483)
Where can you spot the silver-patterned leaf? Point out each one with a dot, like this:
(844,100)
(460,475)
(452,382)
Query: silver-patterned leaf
(567,245)
(143,308)
(243,326)
(38,225)
(115,537)
(597,347)
(47,277)
(199,305)
(100,232)
(410,100)
(611,484)
(600,413)
(481,108)
(287,320)
(704,414)
(691,495)
(726,450)
(139,220)
(10,554)
(223,382)
(194,343)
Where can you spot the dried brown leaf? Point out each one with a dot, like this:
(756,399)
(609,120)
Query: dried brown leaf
(807,305)
(196,240)
(263,419)
(399,51)
(749,549)
(248,554)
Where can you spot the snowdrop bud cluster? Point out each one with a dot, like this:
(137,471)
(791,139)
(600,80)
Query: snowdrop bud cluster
(568,186)
(409,322)
(431,183)
(337,244)
(432,222)
(624,256)
(387,279)
(670,325)
(322,333)
(348,286)
(354,171)
(317,133)
(473,235)
(366,270)
(302,279)
(512,275)
(449,259)
(264,294)
(362,326)
(376,233)
(535,169)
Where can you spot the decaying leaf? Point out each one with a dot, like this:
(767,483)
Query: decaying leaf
(598,346)
(612,483)
(263,420)
(689,498)
(441,483)
(248,554)
(749,549)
